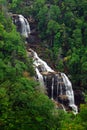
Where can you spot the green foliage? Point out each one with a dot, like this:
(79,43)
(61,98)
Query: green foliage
(60,65)
(75,122)
(3,2)
(15,2)
(54,12)
(42,15)
(52,27)
(84,67)
(77,37)
(61,24)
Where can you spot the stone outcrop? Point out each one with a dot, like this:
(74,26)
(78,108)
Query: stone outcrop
(63,99)
(79,97)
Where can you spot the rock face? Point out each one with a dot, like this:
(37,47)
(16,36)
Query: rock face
(54,84)
(64,100)
(79,97)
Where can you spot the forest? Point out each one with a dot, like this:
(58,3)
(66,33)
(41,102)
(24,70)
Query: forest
(61,26)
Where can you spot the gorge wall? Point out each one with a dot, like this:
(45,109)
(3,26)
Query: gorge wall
(56,84)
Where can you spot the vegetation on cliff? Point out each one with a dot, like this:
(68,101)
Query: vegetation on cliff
(22,105)
(62,25)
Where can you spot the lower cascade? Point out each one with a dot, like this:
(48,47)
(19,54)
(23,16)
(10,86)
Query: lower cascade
(57,84)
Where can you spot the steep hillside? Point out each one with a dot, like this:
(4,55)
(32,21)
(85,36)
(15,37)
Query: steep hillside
(22,103)
(62,28)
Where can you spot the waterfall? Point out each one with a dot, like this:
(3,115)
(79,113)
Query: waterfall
(57,84)
(39,62)
(69,92)
(52,88)
(25,30)
(39,77)
(22,25)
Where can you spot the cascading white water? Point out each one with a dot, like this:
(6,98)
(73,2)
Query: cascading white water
(52,88)
(39,62)
(25,27)
(40,77)
(69,92)
(60,84)
(68,86)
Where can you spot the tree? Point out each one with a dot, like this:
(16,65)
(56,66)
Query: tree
(52,29)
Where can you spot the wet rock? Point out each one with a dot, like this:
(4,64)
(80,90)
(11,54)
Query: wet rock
(58,105)
(79,97)
(63,99)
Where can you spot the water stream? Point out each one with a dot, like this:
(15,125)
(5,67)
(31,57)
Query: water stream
(57,84)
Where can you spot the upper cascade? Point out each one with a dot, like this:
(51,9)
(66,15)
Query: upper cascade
(57,84)
(22,25)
